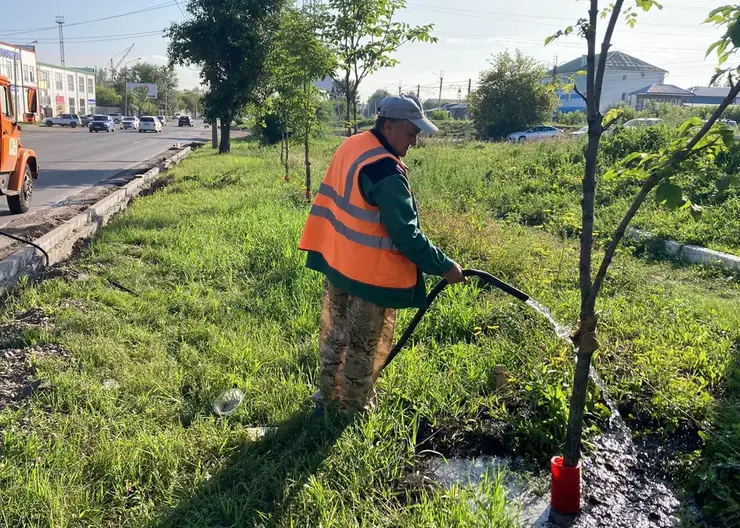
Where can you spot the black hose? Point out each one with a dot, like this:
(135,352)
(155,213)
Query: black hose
(441,285)
(46,255)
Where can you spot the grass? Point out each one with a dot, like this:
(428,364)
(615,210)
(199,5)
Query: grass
(538,185)
(223,300)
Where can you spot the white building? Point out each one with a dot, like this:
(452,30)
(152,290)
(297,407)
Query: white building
(623,75)
(66,90)
(18,63)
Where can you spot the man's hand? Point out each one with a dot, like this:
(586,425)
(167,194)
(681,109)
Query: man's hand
(455,275)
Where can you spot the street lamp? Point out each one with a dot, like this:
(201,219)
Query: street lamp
(125,87)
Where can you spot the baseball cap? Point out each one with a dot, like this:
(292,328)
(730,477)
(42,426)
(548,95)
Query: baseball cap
(406,107)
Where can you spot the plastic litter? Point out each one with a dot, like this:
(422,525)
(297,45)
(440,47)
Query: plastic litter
(228,402)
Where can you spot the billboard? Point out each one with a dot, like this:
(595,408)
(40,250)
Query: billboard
(151,88)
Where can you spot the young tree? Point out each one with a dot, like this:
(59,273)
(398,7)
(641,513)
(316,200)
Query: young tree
(364,37)
(655,170)
(229,40)
(511,96)
(107,96)
(298,58)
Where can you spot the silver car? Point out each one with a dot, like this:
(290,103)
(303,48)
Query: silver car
(65,120)
(537,132)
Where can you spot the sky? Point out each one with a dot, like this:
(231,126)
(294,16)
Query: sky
(469,34)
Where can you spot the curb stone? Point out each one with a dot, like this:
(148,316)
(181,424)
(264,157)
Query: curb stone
(687,252)
(58,242)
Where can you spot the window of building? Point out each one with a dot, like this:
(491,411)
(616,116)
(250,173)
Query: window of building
(26,77)
(58,78)
(81,84)
(82,105)
(32,74)
(624,96)
(90,83)
(72,104)
(70,83)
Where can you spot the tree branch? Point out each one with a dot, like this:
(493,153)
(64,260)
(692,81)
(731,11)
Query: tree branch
(576,90)
(605,45)
(649,184)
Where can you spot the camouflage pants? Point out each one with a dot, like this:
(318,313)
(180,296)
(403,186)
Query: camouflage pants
(354,341)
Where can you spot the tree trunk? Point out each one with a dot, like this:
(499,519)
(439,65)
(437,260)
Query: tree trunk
(214,133)
(225,146)
(282,147)
(308,161)
(347,120)
(287,141)
(354,112)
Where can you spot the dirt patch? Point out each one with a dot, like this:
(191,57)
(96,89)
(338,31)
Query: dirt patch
(18,376)
(32,226)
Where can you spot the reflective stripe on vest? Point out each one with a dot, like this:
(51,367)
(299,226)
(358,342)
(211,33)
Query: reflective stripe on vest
(346,229)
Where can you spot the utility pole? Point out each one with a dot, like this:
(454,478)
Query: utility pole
(441,77)
(60,21)
(470,83)
(459,95)
(399,87)
(418,90)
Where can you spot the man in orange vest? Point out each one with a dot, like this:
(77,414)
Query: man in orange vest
(363,234)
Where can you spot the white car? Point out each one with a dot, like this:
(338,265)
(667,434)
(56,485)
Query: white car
(149,124)
(580,132)
(130,122)
(538,132)
(643,122)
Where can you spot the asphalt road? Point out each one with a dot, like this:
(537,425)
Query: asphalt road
(73,159)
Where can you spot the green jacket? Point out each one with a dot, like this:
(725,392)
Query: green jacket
(384,185)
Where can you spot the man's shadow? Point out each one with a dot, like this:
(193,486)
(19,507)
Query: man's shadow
(257,486)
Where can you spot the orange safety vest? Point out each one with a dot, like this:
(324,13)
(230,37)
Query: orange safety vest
(346,230)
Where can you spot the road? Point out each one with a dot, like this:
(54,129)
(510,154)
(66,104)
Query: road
(72,160)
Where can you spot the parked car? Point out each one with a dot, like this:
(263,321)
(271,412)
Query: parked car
(162,120)
(65,120)
(184,121)
(86,119)
(537,132)
(130,122)
(101,122)
(643,122)
(580,132)
(117,117)
(149,124)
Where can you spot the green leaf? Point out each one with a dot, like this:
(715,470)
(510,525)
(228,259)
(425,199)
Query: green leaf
(691,123)
(670,195)
(723,183)
(734,32)
(632,157)
(696,211)
(704,436)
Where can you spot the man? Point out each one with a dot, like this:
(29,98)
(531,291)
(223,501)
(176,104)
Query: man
(363,234)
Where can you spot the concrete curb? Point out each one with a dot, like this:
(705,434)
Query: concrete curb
(58,242)
(687,252)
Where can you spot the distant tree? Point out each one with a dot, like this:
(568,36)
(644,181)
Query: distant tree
(146,72)
(511,96)
(429,104)
(229,40)
(374,100)
(364,37)
(107,96)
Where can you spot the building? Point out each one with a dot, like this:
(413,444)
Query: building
(710,95)
(18,63)
(66,90)
(623,75)
(660,93)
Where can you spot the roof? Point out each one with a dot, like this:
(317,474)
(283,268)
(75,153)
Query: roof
(663,89)
(710,91)
(89,71)
(615,60)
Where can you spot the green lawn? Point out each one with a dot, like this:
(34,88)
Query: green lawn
(223,300)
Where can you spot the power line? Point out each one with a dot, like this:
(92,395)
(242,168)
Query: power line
(136,12)
(180,8)
(97,38)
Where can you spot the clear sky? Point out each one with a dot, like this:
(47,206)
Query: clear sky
(469,33)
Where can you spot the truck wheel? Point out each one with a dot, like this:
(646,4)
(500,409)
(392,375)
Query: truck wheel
(22,201)
(49,123)
(73,124)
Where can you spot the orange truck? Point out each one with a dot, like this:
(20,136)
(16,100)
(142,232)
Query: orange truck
(18,165)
